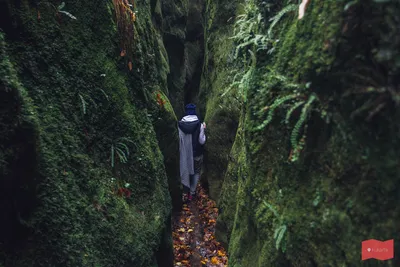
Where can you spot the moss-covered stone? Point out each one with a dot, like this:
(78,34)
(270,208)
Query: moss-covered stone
(222,112)
(183,38)
(71,111)
(344,186)
(165,123)
(227,201)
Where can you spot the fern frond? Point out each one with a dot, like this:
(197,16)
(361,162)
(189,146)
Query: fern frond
(68,14)
(126,139)
(104,93)
(93,102)
(269,206)
(253,59)
(121,155)
(272,108)
(280,14)
(83,102)
(300,122)
(124,146)
(291,110)
(276,232)
(282,231)
(227,90)
(112,156)
(61,6)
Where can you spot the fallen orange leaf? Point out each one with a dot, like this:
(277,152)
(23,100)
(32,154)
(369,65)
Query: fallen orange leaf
(214,260)
(130,66)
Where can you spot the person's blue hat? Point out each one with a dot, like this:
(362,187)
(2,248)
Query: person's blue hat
(190,109)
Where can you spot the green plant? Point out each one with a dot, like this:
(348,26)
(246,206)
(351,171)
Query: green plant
(248,38)
(295,97)
(248,25)
(292,109)
(246,28)
(58,9)
(84,98)
(244,82)
(278,236)
(84,103)
(275,19)
(105,95)
(121,149)
(278,102)
(280,230)
(297,145)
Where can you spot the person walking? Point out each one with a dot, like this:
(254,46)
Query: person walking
(191,145)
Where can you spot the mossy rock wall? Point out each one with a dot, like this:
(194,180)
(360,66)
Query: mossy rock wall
(182,28)
(344,187)
(227,201)
(67,99)
(221,112)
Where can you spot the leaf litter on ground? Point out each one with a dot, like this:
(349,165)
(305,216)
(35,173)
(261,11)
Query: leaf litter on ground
(194,235)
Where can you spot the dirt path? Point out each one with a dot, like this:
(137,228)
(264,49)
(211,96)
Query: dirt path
(193,235)
(195,258)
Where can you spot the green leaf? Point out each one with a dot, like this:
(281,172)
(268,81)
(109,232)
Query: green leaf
(68,14)
(124,146)
(121,155)
(126,139)
(276,232)
(280,14)
(104,93)
(83,104)
(280,236)
(350,4)
(61,6)
(227,91)
(292,109)
(112,156)
(93,102)
(271,208)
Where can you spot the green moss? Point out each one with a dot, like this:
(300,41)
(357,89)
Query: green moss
(66,211)
(301,56)
(329,198)
(175,17)
(227,200)
(222,112)
(165,124)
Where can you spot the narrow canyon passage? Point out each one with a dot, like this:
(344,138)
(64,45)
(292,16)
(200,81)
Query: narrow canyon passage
(301,102)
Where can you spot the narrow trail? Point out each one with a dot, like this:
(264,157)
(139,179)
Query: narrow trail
(193,235)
